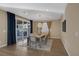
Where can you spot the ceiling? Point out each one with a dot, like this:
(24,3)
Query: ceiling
(36,11)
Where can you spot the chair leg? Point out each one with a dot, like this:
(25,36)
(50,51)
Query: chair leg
(40,42)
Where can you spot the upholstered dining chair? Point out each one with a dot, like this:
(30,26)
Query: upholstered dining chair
(32,41)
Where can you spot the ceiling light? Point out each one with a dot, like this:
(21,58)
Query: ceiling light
(46,9)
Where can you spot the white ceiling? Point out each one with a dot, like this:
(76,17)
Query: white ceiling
(36,11)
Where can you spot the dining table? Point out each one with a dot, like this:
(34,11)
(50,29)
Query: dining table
(38,37)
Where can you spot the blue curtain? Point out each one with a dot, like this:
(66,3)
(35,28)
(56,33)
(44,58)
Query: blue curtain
(31,23)
(11,31)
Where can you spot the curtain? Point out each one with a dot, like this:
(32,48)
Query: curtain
(11,28)
(45,27)
(49,25)
(31,24)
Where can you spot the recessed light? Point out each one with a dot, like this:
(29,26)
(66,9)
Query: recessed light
(46,9)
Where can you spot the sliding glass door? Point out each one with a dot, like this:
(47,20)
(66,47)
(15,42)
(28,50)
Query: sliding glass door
(22,31)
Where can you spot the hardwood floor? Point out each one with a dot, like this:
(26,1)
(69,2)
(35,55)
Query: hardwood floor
(56,50)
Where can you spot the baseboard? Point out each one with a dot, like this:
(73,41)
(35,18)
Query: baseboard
(53,38)
(3,45)
(65,48)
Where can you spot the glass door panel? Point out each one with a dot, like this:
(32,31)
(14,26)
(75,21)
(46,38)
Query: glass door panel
(22,31)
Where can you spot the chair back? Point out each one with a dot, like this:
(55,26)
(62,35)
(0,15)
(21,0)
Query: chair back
(45,35)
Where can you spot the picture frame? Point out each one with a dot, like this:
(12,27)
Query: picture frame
(64,26)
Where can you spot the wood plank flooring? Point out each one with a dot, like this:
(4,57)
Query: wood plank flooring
(56,50)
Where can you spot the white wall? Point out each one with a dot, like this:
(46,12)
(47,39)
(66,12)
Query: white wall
(70,38)
(3,28)
(55,29)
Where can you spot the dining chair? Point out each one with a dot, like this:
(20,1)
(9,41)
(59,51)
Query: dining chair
(32,41)
(45,38)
